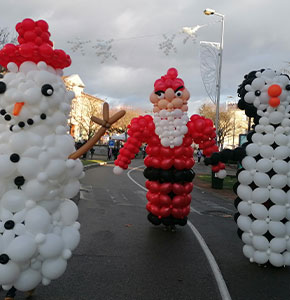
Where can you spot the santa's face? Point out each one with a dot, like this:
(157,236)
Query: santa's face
(32,94)
(170,99)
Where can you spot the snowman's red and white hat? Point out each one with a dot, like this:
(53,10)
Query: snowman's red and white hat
(34,45)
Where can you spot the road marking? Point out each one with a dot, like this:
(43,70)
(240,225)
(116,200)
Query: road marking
(212,262)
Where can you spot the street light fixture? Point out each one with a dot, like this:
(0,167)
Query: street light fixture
(209,12)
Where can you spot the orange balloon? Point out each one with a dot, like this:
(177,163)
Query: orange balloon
(274,102)
(274,90)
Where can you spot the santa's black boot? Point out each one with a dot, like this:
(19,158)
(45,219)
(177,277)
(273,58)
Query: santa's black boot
(153,219)
(11,294)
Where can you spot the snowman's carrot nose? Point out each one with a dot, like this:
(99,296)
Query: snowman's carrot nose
(17,108)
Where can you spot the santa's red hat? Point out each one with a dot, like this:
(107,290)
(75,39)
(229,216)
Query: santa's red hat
(34,45)
(169,80)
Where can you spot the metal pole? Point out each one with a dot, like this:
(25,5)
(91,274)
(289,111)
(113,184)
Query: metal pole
(219,78)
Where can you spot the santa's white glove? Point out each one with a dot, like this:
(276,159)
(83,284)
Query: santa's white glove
(221,174)
(117,170)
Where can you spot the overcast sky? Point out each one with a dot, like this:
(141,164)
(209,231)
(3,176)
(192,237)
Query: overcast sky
(256,36)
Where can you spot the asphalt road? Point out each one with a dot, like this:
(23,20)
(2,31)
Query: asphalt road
(123,257)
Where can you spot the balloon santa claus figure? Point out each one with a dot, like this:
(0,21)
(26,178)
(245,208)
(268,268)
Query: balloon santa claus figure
(169,135)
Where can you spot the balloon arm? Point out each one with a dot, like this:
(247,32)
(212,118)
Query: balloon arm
(106,123)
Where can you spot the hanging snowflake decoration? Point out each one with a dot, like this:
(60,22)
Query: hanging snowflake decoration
(78,45)
(167,45)
(103,49)
(191,33)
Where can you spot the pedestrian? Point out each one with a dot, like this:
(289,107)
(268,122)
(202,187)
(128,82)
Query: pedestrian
(115,152)
(109,153)
(92,150)
(144,150)
(199,155)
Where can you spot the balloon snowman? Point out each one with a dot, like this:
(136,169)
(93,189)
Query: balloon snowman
(169,135)
(38,222)
(263,186)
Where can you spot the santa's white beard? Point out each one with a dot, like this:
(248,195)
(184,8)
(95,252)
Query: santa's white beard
(171,127)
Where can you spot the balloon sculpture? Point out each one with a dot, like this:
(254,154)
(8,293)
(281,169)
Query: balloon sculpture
(169,135)
(38,227)
(263,186)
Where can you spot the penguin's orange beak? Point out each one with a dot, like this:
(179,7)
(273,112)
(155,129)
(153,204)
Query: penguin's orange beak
(17,108)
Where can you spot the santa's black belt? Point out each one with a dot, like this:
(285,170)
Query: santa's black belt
(170,175)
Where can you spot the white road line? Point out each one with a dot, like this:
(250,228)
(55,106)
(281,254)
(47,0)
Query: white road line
(212,262)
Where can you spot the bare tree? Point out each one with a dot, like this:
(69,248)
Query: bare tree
(6,38)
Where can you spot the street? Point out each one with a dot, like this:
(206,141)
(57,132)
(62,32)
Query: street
(123,256)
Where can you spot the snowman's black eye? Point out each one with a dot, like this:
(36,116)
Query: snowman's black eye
(2,87)
(47,90)
(257,93)
(287,87)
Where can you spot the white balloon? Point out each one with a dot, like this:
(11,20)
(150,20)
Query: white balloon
(278,196)
(261,257)
(53,268)
(259,227)
(28,280)
(35,189)
(52,246)
(69,212)
(257,138)
(71,237)
(249,163)
(14,200)
(244,223)
(277,229)
(276,259)
(252,149)
(278,181)
(21,248)
(281,152)
(277,212)
(278,245)
(28,167)
(248,251)
(260,195)
(266,151)
(268,139)
(55,168)
(259,211)
(286,257)
(281,139)
(221,174)
(71,188)
(37,220)
(244,208)
(264,165)
(9,273)
(280,166)
(247,238)
(245,177)
(261,179)
(260,243)
(244,192)
(7,166)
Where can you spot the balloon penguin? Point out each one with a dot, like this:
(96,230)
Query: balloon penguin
(38,227)
(169,135)
(263,186)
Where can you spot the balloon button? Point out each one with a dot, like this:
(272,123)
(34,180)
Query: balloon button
(4,258)
(9,224)
(274,90)
(14,157)
(19,181)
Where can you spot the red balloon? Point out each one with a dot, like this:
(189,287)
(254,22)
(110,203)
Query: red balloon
(186,211)
(187,140)
(189,163)
(152,197)
(46,50)
(188,151)
(155,150)
(166,163)
(166,188)
(188,186)
(179,164)
(148,184)
(178,188)
(164,200)
(155,163)
(164,211)
(177,213)
(154,187)
(178,151)
(148,161)
(155,210)
(187,199)
(165,152)
(215,168)
(178,201)
(199,125)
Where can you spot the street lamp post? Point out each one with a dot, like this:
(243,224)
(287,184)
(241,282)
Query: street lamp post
(209,12)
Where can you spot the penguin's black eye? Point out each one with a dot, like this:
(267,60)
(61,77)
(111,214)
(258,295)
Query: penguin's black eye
(47,90)
(257,93)
(2,87)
